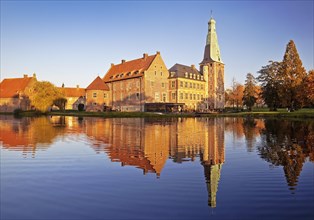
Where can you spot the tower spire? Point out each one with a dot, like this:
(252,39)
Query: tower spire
(212,52)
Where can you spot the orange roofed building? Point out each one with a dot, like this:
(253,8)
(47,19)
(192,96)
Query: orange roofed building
(14,93)
(97,95)
(74,97)
(134,83)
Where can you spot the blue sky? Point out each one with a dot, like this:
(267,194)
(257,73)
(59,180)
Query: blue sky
(72,42)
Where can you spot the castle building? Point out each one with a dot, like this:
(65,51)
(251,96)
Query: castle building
(15,93)
(74,97)
(135,83)
(212,68)
(186,85)
(97,95)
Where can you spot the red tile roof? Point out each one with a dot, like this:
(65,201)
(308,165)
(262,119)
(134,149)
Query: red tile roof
(129,69)
(13,86)
(98,84)
(72,92)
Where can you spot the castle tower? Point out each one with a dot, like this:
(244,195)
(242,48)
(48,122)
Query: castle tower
(212,69)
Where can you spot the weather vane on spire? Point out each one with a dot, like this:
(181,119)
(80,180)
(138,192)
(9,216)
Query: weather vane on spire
(211,13)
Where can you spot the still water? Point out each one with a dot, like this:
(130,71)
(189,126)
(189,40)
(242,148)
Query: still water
(137,168)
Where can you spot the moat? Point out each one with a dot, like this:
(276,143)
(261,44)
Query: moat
(60,167)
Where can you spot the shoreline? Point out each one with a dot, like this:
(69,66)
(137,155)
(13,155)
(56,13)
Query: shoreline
(303,113)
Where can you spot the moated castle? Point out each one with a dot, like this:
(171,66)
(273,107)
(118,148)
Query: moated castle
(143,84)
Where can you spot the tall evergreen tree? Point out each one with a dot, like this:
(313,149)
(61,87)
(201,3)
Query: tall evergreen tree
(309,87)
(293,78)
(270,84)
(249,94)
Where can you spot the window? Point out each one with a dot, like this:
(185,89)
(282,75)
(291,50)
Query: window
(173,84)
(190,85)
(186,96)
(198,96)
(194,76)
(163,85)
(202,77)
(181,95)
(201,86)
(173,95)
(157,96)
(186,84)
(155,73)
(94,103)
(194,96)
(181,84)
(193,85)
(190,75)
(191,96)
(198,86)
(198,77)
(137,96)
(94,95)
(164,96)
(152,83)
(186,75)
(161,73)
(105,95)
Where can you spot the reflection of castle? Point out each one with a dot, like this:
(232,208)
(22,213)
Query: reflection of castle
(203,137)
(139,142)
(27,134)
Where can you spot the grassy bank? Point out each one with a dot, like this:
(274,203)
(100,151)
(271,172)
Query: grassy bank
(303,113)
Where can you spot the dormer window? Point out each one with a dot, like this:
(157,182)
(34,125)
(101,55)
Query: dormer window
(121,75)
(191,75)
(128,74)
(202,77)
(111,77)
(186,75)
(198,77)
(194,76)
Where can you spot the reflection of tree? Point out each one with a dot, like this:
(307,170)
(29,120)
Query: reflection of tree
(249,132)
(27,134)
(287,143)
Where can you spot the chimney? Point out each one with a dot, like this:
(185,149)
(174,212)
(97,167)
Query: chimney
(77,86)
(193,66)
(34,75)
(158,52)
(145,55)
(122,61)
(112,64)
(25,75)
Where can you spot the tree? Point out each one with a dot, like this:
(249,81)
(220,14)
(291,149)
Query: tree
(60,102)
(270,84)
(249,94)
(293,76)
(309,87)
(44,94)
(238,94)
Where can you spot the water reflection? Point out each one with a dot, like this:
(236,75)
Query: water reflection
(148,144)
(288,143)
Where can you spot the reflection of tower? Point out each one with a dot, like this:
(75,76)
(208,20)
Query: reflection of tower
(212,175)
(213,156)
